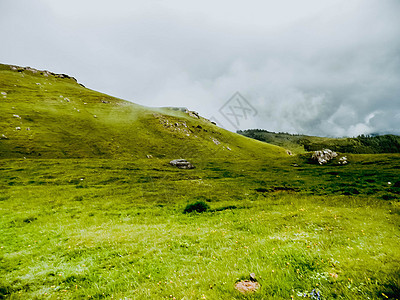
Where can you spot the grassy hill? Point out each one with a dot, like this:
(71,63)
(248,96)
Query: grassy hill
(298,143)
(52,116)
(86,215)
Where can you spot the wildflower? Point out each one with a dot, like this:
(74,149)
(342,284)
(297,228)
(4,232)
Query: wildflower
(333,275)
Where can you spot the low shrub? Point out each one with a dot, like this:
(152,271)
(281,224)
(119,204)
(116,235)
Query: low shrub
(199,206)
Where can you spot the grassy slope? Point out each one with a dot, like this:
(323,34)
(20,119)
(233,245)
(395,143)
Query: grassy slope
(109,224)
(67,120)
(303,143)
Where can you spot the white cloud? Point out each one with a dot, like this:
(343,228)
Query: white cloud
(314,67)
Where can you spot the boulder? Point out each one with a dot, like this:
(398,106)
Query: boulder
(247,286)
(181,164)
(323,156)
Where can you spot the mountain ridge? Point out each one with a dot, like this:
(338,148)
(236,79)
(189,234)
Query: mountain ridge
(300,143)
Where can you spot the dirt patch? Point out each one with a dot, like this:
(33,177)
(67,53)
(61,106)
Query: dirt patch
(247,286)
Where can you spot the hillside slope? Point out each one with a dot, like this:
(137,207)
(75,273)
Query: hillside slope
(47,115)
(299,143)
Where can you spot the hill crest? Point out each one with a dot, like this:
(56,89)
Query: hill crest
(48,115)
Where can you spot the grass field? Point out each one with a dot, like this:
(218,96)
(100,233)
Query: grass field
(74,229)
(92,218)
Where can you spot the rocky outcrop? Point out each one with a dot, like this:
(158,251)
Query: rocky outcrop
(193,114)
(323,156)
(181,164)
(44,72)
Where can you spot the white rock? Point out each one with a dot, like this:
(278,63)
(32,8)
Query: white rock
(216,142)
(323,156)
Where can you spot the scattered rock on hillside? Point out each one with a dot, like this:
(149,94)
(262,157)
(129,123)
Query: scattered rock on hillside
(343,160)
(180,126)
(323,156)
(216,142)
(181,164)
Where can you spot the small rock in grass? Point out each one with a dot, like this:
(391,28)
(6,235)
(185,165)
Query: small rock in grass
(181,164)
(247,286)
(216,142)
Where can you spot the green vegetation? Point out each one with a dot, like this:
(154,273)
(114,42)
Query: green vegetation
(298,143)
(93,218)
(199,206)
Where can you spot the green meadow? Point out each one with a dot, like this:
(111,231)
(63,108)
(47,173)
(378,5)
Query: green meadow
(86,215)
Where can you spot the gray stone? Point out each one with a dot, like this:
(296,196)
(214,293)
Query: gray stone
(181,164)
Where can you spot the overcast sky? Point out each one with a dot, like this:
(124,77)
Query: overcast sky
(329,68)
